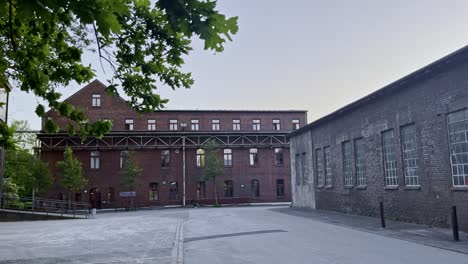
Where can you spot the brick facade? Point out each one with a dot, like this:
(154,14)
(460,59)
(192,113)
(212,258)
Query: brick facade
(423,99)
(107,179)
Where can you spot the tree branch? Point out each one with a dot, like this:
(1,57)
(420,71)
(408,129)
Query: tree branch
(10,22)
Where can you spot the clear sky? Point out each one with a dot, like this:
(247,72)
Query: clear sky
(307,54)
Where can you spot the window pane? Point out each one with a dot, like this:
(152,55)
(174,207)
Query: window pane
(348,164)
(390,162)
(360,162)
(409,154)
(458,142)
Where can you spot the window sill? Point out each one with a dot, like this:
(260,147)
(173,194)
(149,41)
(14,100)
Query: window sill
(414,187)
(329,187)
(349,187)
(362,187)
(391,188)
(319,186)
(165,168)
(460,188)
(276,165)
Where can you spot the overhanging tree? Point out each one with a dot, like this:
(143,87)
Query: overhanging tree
(143,43)
(72,173)
(214,165)
(130,174)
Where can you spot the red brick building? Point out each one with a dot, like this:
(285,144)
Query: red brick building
(253,145)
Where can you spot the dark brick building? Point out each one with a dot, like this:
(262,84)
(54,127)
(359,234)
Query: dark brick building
(253,145)
(405,144)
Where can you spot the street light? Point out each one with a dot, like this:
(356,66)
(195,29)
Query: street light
(183,125)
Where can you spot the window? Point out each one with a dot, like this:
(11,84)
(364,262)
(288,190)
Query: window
(195,125)
(215,124)
(165,158)
(255,188)
(96,100)
(253,161)
(128,124)
(173,191)
(298,169)
(360,162)
(95,160)
(153,191)
(409,154)
(276,124)
(201,190)
(256,125)
(279,157)
(390,162)
(151,124)
(236,124)
(228,189)
(295,124)
(110,195)
(458,140)
(328,166)
(304,168)
(200,158)
(227,157)
(173,124)
(348,164)
(279,187)
(319,167)
(123,158)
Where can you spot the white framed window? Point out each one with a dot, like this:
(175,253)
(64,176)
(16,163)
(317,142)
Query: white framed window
(256,125)
(173,124)
(96,100)
(236,124)
(359,160)
(409,154)
(124,155)
(151,124)
(128,124)
(348,164)
(276,124)
(458,142)
(253,157)
(165,158)
(279,161)
(215,124)
(389,155)
(296,124)
(200,158)
(195,124)
(227,157)
(95,162)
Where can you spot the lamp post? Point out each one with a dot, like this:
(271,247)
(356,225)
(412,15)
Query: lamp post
(183,125)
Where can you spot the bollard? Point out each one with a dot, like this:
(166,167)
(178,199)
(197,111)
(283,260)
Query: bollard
(456,236)
(382,215)
(93,214)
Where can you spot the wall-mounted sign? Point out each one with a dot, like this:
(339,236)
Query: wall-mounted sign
(127,194)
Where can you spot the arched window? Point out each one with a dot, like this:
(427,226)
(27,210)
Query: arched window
(200,158)
(255,188)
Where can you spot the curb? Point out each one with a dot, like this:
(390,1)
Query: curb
(178,249)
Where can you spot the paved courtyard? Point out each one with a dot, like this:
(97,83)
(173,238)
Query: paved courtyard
(216,235)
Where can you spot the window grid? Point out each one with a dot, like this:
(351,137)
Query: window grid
(236,124)
(253,157)
(298,169)
(328,166)
(195,125)
(215,124)
(227,157)
(295,124)
(128,124)
(389,155)
(173,124)
(319,167)
(165,158)
(200,158)
(409,155)
(228,189)
(304,168)
(95,160)
(458,139)
(151,124)
(255,188)
(153,191)
(96,100)
(276,124)
(359,162)
(124,155)
(348,163)
(279,187)
(256,125)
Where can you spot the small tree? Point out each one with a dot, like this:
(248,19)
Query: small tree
(214,165)
(130,173)
(72,173)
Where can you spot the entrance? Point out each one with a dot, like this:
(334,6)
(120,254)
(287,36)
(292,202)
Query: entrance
(95,198)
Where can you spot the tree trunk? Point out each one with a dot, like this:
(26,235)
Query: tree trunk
(69,201)
(215,192)
(32,205)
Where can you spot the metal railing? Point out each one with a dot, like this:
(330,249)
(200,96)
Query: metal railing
(45,206)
